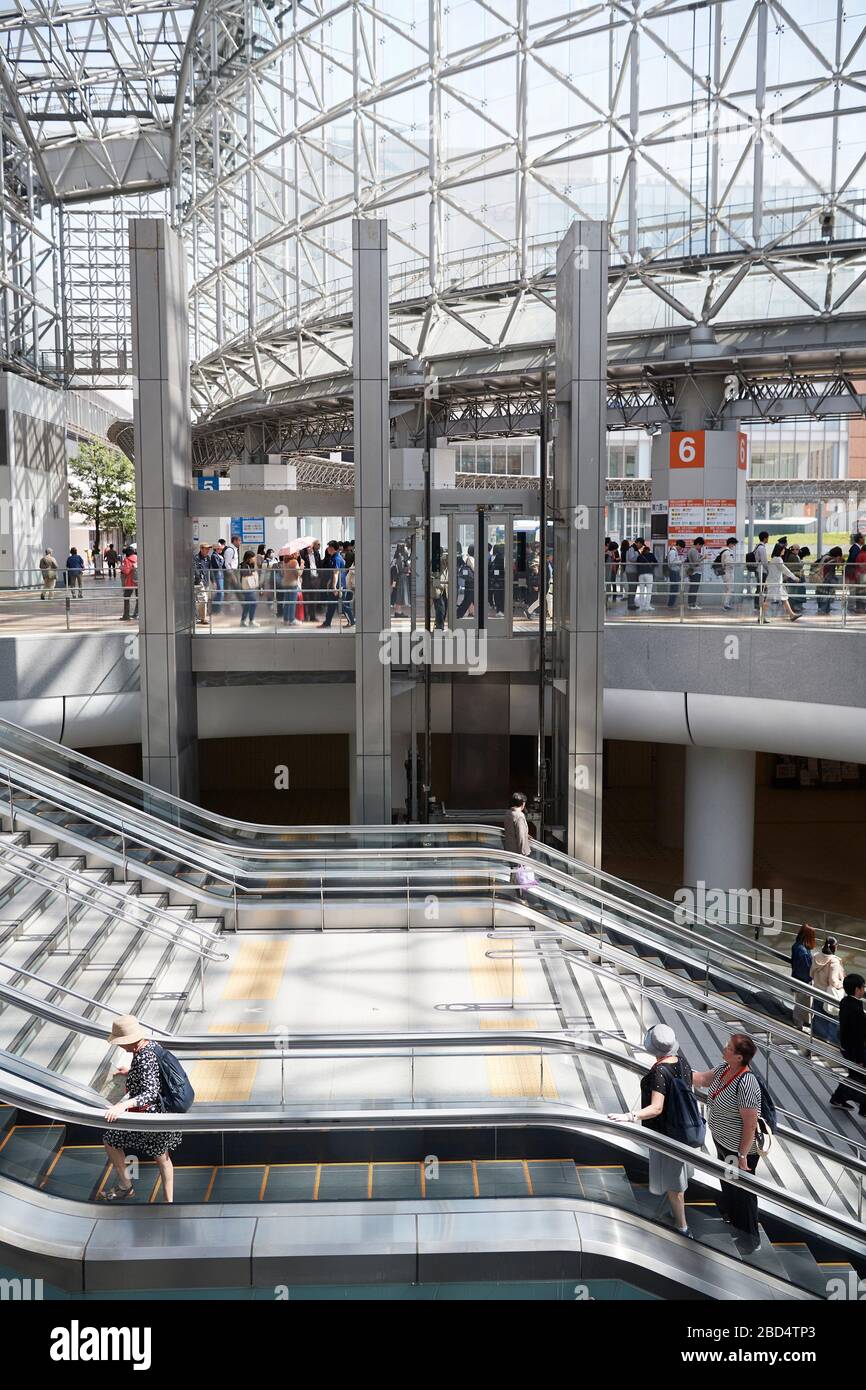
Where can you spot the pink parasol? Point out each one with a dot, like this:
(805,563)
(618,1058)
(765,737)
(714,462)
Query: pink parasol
(294,547)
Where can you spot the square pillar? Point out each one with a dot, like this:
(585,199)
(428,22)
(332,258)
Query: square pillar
(579,498)
(371,384)
(160,357)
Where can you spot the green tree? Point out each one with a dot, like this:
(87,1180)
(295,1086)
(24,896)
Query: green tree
(102,489)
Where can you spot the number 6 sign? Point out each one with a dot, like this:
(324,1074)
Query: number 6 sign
(687,449)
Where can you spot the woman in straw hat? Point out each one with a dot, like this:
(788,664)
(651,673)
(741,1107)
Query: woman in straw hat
(142,1094)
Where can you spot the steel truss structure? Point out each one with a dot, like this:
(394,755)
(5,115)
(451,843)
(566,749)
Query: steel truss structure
(721,141)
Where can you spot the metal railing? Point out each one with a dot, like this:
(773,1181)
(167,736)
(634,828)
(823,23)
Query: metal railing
(56,1103)
(229,886)
(742,596)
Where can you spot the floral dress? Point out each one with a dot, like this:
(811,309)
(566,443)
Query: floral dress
(142,1082)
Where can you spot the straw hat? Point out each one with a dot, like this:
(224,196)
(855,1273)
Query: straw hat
(126,1030)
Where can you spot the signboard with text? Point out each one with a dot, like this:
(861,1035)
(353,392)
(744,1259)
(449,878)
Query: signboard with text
(251,529)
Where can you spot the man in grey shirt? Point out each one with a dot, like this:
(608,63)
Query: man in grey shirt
(515,826)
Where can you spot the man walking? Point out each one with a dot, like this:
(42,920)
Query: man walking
(632,571)
(852,1041)
(675,555)
(129,581)
(231,561)
(48,569)
(74,571)
(695,570)
(762,569)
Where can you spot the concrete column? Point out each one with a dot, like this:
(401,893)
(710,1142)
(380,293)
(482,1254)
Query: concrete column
(719,826)
(372,805)
(579,472)
(160,358)
(700,477)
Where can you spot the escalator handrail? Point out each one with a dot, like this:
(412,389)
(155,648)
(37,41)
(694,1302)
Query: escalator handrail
(572,1042)
(328,832)
(106,774)
(557,929)
(197,854)
(198,859)
(51,1105)
(91,890)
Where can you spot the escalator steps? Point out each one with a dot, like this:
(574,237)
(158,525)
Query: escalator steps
(239,1184)
(399,1182)
(553,1178)
(291,1182)
(344,1182)
(606,1184)
(27,1150)
(451,1180)
(501,1178)
(77,1172)
(190,1184)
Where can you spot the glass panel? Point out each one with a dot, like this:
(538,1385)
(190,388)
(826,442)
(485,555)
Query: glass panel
(496,541)
(464,570)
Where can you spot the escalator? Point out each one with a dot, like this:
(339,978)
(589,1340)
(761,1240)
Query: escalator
(379,886)
(548,1179)
(535,1187)
(260,1167)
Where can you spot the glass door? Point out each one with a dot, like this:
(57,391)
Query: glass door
(499,583)
(462,570)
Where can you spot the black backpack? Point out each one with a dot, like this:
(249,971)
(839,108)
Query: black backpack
(717,566)
(682,1116)
(751,563)
(175,1087)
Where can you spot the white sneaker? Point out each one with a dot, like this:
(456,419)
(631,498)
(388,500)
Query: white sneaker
(254,624)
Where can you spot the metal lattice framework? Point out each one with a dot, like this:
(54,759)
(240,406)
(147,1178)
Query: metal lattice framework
(92,87)
(722,142)
(88,96)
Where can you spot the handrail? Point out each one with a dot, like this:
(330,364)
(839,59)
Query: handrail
(94,890)
(209,820)
(244,1043)
(200,859)
(57,1106)
(777,985)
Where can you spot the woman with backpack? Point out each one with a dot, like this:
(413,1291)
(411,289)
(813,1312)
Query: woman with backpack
(142,1095)
(666,1175)
(734,1112)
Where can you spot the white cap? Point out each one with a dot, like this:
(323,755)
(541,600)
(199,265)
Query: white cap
(661,1041)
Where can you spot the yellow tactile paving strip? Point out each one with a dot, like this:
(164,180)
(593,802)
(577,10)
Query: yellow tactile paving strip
(515,1076)
(491,979)
(231,1079)
(258,970)
(519,1076)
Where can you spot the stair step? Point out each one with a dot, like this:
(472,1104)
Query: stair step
(76,1172)
(801,1267)
(765,1257)
(602,1184)
(27,1152)
(709,1228)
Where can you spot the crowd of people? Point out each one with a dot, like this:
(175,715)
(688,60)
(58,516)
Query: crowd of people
(769,577)
(73,571)
(299,585)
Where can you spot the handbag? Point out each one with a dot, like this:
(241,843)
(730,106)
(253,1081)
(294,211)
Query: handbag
(250,581)
(524,877)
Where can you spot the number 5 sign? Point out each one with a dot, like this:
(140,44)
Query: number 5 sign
(687,449)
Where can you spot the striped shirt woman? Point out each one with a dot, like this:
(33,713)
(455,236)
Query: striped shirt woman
(734,1107)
